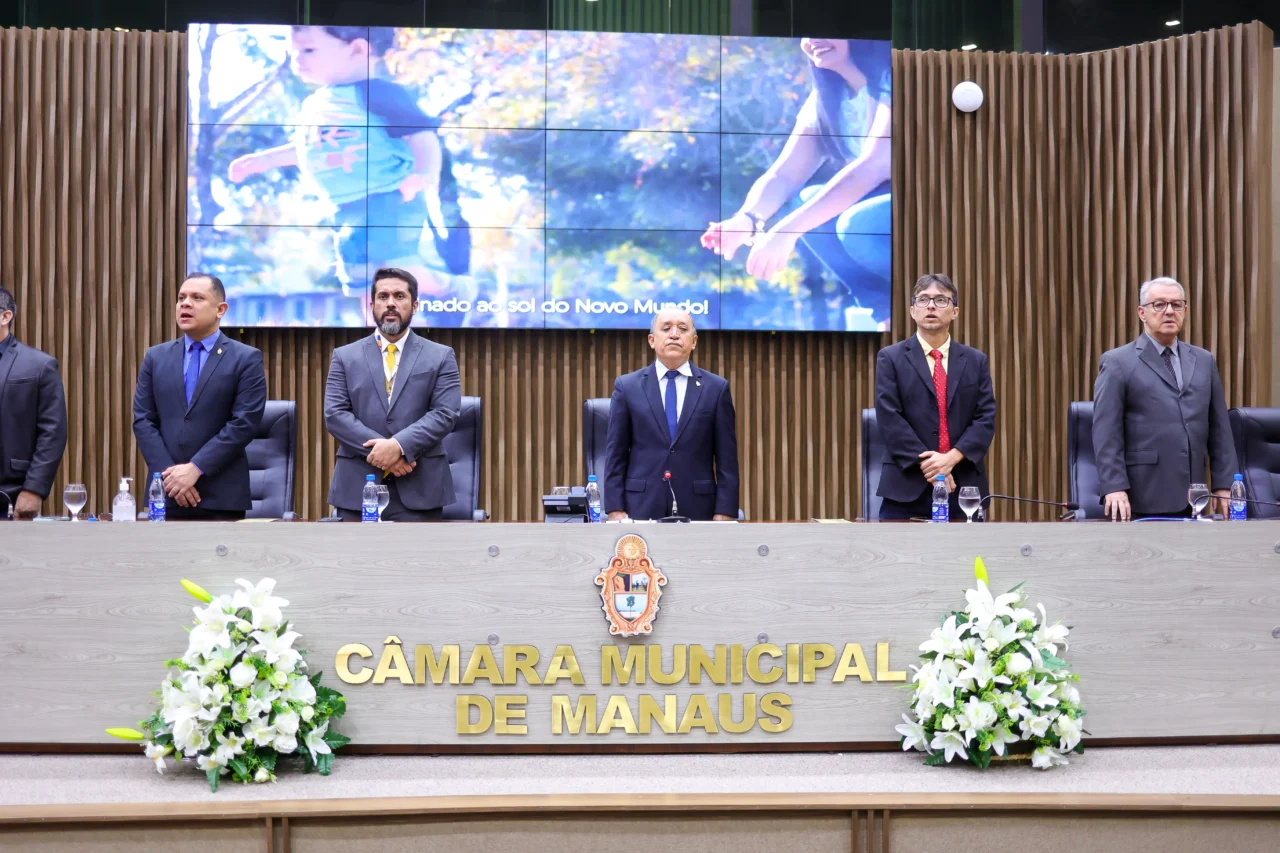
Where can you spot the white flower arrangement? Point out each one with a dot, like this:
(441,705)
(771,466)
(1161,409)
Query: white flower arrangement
(241,696)
(990,684)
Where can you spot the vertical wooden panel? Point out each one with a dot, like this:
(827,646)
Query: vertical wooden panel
(1080,177)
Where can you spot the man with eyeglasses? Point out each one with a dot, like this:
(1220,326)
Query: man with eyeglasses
(1159,415)
(935,408)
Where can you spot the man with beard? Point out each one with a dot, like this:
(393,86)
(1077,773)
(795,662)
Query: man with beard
(197,405)
(390,400)
(935,408)
(670,416)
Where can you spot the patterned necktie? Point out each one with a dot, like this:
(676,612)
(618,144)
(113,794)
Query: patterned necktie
(391,368)
(940,391)
(672,419)
(192,376)
(1167,355)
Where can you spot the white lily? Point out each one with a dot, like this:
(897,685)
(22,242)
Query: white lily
(1045,757)
(1000,736)
(1067,692)
(983,608)
(1014,704)
(944,640)
(1040,693)
(981,672)
(258,731)
(314,742)
(1034,726)
(212,629)
(300,689)
(912,732)
(157,754)
(211,665)
(1001,634)
(243,674)
(261,696)
(229,746)
(210,762)
(1068,731)
(1048,637)
(951,743)
(277,649)
(1022,614)
(264,607)
(976,716)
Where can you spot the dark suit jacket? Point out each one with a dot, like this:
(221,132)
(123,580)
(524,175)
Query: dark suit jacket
(1149,438)
(425,403)
(702,458)
(907,416)
(214,431)
(33,421)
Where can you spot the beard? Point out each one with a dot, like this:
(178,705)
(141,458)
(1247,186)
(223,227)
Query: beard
(391,326)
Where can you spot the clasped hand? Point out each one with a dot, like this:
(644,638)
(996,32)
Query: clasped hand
(180,483)
(385,453)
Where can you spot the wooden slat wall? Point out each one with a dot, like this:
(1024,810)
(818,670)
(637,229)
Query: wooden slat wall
(1079,177)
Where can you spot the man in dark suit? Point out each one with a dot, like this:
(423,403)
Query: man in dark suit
(198,403)
(672,416)
(390,400)
(1159,415)
(33,419)
(935,409)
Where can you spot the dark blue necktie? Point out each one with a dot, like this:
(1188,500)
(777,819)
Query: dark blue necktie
(671,402)
(192,375)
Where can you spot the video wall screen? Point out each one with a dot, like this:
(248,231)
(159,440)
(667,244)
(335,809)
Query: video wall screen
(541,179)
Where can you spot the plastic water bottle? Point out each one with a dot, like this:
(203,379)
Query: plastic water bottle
(941,500)
(593,500)
(155,499)
(1237,499)
(369,500)
(124,508)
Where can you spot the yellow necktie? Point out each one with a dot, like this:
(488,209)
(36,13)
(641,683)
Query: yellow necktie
(391,375)
(391,367)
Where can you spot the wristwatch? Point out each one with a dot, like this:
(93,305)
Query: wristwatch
(757,226)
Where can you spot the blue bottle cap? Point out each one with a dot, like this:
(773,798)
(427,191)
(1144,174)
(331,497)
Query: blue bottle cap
(1239,476)
(368,478)
(591,478)
(941,478)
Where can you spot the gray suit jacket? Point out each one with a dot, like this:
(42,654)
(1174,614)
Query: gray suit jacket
(425,403)
(33,421)
(1152,440)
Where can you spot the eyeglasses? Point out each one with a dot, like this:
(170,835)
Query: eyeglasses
(932,301)
(1159,306)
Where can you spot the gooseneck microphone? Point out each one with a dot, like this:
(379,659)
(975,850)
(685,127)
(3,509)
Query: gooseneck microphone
(1069,507)
(675,516)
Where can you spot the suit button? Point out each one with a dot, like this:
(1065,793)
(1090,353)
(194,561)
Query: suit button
(935,432)
(187,419)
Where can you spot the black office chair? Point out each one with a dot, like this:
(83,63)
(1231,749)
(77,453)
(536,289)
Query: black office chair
(1256,432)
(872,459)
(463,447)
(595,435)
(273,455)
(1082,469)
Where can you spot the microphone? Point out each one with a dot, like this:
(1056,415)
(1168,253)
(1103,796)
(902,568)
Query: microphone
(675,516)
(1069,507)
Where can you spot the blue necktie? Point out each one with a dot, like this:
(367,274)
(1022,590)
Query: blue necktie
(671,402)
(192,375)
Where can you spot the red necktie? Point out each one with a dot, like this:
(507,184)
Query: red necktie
(940,391)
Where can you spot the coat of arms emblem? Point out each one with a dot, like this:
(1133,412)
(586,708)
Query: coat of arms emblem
(630,587)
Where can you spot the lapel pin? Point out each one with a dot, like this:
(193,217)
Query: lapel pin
(219,350)
(696,382)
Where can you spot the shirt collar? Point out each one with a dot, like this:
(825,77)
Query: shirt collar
(684,370)
(208,342)
(383,343)
(945,349)
(1160,348)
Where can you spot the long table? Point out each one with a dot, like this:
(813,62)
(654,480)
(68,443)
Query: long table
(1175,627)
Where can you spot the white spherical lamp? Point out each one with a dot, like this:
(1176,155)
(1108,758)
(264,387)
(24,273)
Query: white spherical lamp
(967,96)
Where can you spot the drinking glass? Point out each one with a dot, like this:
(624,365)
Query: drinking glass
(384,498)
(969,501)
(75,496)
(1198,496)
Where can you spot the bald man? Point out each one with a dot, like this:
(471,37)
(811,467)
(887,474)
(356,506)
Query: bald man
(671,416)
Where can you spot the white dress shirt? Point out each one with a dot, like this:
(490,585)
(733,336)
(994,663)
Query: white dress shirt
(389,370)
(682,384)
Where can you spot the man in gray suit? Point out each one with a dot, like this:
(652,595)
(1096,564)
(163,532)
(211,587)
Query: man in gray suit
(1159,415)
(33,419)
(390,400)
